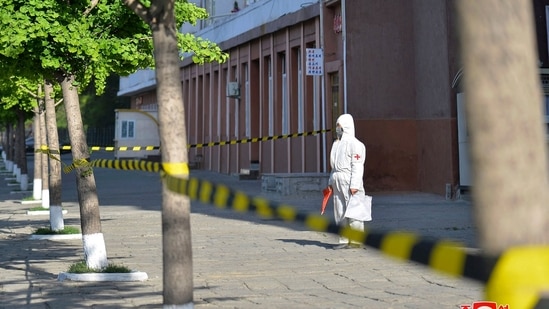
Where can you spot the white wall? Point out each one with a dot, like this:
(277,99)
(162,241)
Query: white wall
(145,133)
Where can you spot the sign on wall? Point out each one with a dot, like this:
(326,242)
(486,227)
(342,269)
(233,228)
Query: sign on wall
(315,61)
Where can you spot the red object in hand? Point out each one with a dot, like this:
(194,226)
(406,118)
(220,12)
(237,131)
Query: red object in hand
(327,193)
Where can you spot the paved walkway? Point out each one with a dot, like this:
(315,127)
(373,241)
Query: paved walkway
(240,261)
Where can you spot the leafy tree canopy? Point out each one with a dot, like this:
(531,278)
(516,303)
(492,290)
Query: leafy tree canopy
(53,38)
(88,39)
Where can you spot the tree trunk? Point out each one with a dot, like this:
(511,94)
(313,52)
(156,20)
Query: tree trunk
(9,147)
(22,172)
(94,244)
(56,212)
(15,147)
(45,166)
(176,228)
(504,110)
(37,182)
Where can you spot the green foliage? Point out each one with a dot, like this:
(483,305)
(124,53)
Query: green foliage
(51,37)
(82,268)
(47,39)
(38,208)
(203,50)
(14,91)
(186,12)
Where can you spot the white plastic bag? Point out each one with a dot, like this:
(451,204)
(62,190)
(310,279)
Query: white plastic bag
(359,207)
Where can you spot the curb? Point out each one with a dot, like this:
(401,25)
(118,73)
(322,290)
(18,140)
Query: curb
(133,276)
(27,202)
(20,191)
(56,237)
(41,212)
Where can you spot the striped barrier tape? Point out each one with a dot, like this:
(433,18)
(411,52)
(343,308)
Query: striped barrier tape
(445,256)
(519,277)
(97,148)
(258,139)
(210,144)
(135,165)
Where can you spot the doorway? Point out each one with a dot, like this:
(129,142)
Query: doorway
(334,99)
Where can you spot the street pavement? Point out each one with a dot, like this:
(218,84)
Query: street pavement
(239,260)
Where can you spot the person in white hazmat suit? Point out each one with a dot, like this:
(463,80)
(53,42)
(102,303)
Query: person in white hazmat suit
(347,159)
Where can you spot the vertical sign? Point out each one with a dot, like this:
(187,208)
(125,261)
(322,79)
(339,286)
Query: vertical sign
(315,61)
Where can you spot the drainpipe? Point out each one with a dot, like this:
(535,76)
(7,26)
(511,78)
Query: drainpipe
(323,90)
(344,37)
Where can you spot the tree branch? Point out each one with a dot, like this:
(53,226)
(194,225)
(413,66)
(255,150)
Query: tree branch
(138,8)
(93,4)
(34,95)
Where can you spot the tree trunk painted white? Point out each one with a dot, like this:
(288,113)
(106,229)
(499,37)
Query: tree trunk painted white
(9,166)
(37,182)
(14,170)
(46,198)
(56,218)
(94,251)
(90,219)
(18,174)
(20,152)
(44,164)
(37,188)
(24,184)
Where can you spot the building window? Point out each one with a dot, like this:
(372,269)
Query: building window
(209,5)
(128,129)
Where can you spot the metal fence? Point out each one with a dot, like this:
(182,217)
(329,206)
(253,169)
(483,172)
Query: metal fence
(103,136)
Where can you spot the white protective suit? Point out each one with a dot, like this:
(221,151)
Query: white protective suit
(347,159)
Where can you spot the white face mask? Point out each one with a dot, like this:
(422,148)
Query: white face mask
(339,132)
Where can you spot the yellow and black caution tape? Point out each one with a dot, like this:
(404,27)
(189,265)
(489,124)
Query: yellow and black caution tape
(135,165)
(519,277)
(50,152)
(105,148)
(445,256)
(210,144)
(257,139)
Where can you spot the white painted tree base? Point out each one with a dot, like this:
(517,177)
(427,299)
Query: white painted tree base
(133,276)
(56,218)
(46,198)
(184,306)
(95,251)
(37,189)
(24,182)
(55,236)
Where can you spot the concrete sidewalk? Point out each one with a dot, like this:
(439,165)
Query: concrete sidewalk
(240,261)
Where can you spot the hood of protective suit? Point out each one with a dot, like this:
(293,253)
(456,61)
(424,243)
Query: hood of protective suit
(347,123)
